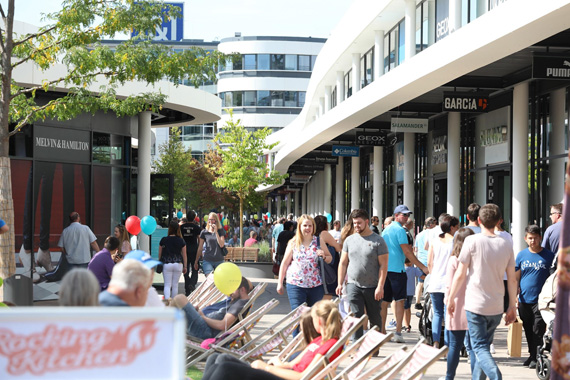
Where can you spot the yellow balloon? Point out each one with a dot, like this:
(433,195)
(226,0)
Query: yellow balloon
(255,217)
(205,218)
(227,278)
(226,222)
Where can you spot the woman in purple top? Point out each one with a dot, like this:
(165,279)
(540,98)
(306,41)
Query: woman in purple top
(103,262)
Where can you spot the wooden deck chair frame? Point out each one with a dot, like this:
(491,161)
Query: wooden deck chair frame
(234,335)
(275,336)
(428,358)
(355,324)
(254,294)
(202,290)
(358,352)
(385,365)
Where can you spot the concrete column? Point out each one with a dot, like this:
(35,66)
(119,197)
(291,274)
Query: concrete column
(304,199)
(377,188)
(410,29)
(339,87)
(339,191)
(520,165)
(355,73)
(429,182)
(327,189)
(311,197)
(288,203)
(355,183)
(557,146)
(269,206)
(454,15)
(143,176)
(296,208)
(378,53)
(321,106)
(453,173)
(328,92)
(409,151)
(278,211)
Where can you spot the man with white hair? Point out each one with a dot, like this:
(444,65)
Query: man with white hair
(129,285)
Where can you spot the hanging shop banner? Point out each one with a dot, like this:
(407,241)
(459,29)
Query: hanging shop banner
(326,160)
(465,102)
(345,151)
(403,124)
(92,343)
(379,138)
(399,149)
(294,178)
(551,67)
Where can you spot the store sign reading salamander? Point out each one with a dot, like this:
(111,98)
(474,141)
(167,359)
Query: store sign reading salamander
(62,144)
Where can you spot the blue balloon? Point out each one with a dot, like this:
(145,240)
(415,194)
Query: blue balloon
(124,215)
(179,214)
(329,217)
(148,225)
(269,215)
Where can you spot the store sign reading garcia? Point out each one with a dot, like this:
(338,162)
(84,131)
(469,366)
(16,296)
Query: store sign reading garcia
(551,67)
(402,124)
(465,102)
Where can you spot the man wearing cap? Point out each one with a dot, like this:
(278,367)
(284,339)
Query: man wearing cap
(153,299)
(129,284)
(398,249)
(204,326)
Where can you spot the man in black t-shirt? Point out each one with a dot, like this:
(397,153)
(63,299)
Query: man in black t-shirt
(190,233)
(282,240)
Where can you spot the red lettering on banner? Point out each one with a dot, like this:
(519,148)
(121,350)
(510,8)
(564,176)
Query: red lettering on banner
(65,349)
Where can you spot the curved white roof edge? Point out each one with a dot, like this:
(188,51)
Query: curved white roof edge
(505,30)
(203,106)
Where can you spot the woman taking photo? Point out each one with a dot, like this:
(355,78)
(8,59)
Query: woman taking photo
(300,266)
(438,254)
(123,236)
(172,252)
(212,240)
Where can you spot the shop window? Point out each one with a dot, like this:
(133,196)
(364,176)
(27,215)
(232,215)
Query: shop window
(290,62)
(277,61)
(263,61)
(101,148)
(304,63)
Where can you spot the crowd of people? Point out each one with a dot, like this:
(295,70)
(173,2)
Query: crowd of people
(471,274)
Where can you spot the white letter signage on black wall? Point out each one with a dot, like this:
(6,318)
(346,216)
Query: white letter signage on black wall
(465,102)
(62,144)
(551,67)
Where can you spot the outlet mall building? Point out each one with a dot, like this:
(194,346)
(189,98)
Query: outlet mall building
(435,104)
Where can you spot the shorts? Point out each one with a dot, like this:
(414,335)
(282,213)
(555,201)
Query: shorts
(395,287)
(420,279)
(408,302)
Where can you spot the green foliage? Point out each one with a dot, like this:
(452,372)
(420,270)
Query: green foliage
(264,254)
(71,37)
(194,373)
(173,159)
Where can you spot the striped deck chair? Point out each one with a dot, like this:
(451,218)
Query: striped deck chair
(387,364)
(358,354)
(203,290)
(275,336)
(234,337)
(349,327)
(253,296)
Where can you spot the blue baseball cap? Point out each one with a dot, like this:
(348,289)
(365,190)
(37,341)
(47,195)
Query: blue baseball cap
(143,257)
(402,209)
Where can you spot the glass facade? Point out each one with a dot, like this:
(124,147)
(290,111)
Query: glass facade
(264,98)
(288,62)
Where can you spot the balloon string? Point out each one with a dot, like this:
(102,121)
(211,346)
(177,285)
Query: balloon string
(226,321)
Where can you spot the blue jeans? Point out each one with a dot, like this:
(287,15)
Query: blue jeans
(298,295)
(454,340)
(197,327)
(209,266)
(438,315)
(481,331)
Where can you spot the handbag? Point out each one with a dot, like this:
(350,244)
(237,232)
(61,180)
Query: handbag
(328,273)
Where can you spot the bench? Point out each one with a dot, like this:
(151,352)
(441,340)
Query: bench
(242,254)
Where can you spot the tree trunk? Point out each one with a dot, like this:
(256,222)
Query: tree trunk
(7,259)
(241,222)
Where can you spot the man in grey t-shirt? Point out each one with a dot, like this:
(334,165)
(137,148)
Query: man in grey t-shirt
(364,259)
(76,242)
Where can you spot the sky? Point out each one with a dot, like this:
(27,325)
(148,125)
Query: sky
(211,20)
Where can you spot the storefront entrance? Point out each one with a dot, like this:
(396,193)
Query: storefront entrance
(499,193)
(439,196)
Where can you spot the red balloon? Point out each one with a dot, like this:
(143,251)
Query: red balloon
(265,216)
(197,219)
(133,225)
(226,227)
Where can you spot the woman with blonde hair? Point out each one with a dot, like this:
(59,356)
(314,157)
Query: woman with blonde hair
(300,266)
(79,287)
(123,236)
(212,240)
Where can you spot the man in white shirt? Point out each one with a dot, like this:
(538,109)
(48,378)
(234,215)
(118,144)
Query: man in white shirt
(76,242)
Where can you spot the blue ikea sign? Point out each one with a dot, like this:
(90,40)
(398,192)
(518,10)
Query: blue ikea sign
(345,151)
(170,30)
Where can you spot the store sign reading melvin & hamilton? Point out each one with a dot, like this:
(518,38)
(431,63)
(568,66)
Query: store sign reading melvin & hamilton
(62,144)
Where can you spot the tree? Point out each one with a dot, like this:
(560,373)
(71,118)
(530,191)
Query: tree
(174,159)
(242,170)
(71,37)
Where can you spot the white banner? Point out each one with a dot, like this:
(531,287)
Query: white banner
(92,343)
(402,124)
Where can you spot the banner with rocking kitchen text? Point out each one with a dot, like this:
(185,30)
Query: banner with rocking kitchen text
(92,343)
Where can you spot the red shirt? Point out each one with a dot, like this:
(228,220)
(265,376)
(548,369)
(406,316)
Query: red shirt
(316,347)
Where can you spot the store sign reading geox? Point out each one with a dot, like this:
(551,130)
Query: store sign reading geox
(551,67)
(465,102)
(493,136)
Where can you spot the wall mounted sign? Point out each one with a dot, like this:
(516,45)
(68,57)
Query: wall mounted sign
(379,138)
(345,151)
(399,149)
(551,67)
(403,124)
(299,178)
(62,144)
(465,102)
(441,19)
(494,136)
(172,29)
(327,160)
(439,155)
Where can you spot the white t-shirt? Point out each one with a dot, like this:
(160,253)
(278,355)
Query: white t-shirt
(441,252)
(153,299)
(335,234)
(509,238)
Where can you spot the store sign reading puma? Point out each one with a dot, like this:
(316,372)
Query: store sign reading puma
(551,67)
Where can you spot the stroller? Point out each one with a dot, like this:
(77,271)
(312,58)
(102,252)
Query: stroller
(547,307)
(426,316)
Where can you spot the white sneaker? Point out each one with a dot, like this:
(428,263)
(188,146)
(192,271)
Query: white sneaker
(44,259)
(25,259)
(398,338)
(492,348)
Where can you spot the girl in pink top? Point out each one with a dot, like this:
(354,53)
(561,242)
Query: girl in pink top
(456,325)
